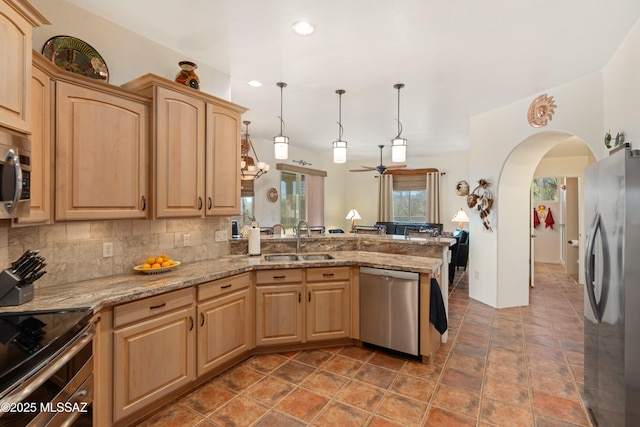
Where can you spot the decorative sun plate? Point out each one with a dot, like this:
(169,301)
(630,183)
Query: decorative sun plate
(155,270)
(72,54)
(541,111)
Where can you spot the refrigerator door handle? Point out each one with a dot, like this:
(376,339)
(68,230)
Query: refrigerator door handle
(596,306)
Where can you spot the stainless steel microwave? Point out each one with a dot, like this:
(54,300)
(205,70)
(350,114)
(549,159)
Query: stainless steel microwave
(15,175)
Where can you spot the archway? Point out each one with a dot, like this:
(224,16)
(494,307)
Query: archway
(514,216)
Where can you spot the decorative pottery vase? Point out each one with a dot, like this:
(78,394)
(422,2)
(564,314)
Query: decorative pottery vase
(187,75)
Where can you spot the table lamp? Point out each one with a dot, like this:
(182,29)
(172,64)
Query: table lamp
(460,217)
(353,215)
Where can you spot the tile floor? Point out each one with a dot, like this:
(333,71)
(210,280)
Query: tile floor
(509,367)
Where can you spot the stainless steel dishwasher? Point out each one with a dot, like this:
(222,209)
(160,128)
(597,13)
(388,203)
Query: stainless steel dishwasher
(389,309)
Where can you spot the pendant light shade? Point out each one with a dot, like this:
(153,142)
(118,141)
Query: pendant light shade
(398,144)
(281,142)
(340,146)
(250,169)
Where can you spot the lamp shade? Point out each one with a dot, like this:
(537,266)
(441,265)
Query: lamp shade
(353,214)
(339,152)
(398,150)
(460,217)
(281,147)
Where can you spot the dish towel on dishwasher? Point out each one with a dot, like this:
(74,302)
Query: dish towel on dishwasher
(437,312)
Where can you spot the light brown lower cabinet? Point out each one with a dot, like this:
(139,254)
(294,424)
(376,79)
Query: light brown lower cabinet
(154,350)
(225,321)
(328,303)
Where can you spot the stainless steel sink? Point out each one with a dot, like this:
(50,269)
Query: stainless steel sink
(281,257)
(315,257)
(295,257)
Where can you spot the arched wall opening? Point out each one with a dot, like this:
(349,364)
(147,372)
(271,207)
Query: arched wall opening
(514,216)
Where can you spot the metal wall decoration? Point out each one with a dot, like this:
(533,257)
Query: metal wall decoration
(541,111)
(482,198)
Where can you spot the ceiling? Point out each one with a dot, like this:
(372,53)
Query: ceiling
(456,59)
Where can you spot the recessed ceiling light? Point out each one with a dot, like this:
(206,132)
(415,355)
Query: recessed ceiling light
(255,83)
(303,28)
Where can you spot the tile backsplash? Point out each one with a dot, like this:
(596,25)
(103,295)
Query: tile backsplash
(73,250)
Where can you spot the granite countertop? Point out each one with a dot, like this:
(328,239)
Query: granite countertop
(107,291)
(394,238)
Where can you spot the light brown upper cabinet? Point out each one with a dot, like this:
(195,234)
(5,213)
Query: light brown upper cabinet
(195,150)
(17,19)
(101,152)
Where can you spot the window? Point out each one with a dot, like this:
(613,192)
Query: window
(410,198)
(301,195)
(545,190)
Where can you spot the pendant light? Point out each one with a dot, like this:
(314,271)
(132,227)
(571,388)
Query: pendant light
(340,146)
(398,144)
(281,142)
(249,168)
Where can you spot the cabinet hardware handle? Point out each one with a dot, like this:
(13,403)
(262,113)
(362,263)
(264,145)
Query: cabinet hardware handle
(279,277)
(327,274)
(201,319)
(144,203)
(226,286)
(199,203)
(210,202)
(153,307)
(309,296)
(192,323)
(299,297)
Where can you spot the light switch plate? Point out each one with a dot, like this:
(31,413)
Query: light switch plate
(186,239)
(107,249)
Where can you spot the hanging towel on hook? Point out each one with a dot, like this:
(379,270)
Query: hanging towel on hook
(548,221)
(536,219)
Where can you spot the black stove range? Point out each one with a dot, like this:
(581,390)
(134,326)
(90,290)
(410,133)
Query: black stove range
(28,340)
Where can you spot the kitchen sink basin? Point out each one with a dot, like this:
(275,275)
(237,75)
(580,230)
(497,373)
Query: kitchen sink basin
(314,257)
(295,257)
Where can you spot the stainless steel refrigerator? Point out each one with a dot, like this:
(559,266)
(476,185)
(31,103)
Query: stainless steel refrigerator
(612,289)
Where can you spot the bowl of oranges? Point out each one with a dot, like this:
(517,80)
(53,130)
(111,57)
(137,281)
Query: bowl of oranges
(155,265)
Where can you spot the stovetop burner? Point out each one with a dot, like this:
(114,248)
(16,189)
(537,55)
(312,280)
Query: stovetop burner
(27,339)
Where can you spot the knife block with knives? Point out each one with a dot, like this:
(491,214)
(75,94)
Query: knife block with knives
(16,282)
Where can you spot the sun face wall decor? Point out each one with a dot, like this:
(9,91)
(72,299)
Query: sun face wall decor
(541,111)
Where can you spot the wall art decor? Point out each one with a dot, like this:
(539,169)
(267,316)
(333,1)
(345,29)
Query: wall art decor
(482,199)
(541,111)
(72,54)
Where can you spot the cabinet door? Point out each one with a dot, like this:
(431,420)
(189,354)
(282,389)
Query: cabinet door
(223,161)
(152,359)
(278,314)
(101,155)
(180,155)
(328,311)
(224,329)
(41,146)
(15,69)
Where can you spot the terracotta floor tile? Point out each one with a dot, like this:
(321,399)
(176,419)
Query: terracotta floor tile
(470,349)
(341,365)
(513,374)
(172,415)
(358,353)
(207,398)
(441,417)
(324,382)
(457,400)
(387,361)
(497,389)
(559,407)
(544,352)
(428,371)
(294,372)
(339,414)
(269,390)
(549,368)
(265,362)
(547,421)
(375,375)
(403,410)
(466,363)
(509,357)
(461,379)
(302,404)
(548,340)
(276,418)
(550,385)
(415,388)
(362,395)
(501,414)
(239,412)
(240,377)
(314,358)
(379,421)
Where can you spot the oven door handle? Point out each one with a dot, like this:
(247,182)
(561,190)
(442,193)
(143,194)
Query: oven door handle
(25,389)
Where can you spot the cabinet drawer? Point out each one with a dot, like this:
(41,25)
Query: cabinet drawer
(283,275)
(152,306)
(223,286)
(325,274)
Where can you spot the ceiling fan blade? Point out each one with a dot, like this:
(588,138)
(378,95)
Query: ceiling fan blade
(396,167)
(372,168)
(362,170)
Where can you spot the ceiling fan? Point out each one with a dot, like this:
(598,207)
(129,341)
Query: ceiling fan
(381,169)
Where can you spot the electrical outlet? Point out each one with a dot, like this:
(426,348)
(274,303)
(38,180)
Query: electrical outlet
(107,249)
(476,275)
(186,239)
(222,236)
